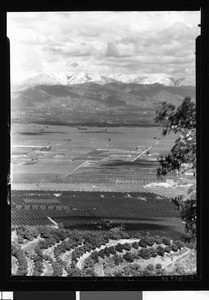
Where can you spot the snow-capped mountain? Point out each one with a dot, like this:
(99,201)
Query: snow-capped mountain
(93,98)
(61,78)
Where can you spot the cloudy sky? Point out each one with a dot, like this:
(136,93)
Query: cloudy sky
(104,42)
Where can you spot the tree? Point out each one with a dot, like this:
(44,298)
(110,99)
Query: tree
(180,120)
(182,156)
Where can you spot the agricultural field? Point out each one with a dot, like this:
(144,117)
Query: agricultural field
(88,210)
(79,192)
(74,158)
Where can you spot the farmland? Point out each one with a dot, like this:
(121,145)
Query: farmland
(84,210)
(46,157)
(80,190)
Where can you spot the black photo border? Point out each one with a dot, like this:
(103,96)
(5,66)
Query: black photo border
(199,282)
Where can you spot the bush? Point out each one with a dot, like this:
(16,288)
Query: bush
(135,245)
(127,246)
(142,243)
(94,256)
(167,249)
(160,250)
(75,272)
(174,247)
(153,252)
(158,240)
(117,259)
(128,257)
(180,244)
(149,240)
(144,253)
(147,272)
(160,272)
(124,235)
(87,247)
(158,266)
(107,251)
(166,241)
(90,273)
(101,253)
(150,267)
(114,233)
(112,250)
(88,263)
(57,269)
(119,247)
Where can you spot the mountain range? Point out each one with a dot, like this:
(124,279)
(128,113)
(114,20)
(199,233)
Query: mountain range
(60,78)
(93,98)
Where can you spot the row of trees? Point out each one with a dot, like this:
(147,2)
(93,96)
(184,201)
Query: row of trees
(21,261)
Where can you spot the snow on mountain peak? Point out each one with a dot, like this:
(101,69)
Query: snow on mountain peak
(61,78)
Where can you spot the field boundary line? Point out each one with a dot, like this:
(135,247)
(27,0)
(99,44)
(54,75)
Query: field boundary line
(156,142)
(177,258)
(83,164)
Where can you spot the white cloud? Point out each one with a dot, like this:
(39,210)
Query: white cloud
(97,41)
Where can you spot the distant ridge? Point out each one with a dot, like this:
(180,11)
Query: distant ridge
(61,78)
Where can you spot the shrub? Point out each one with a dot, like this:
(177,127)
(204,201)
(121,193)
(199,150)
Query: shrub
(180,244)
(88,263)
(144,253)
(167,249)
(158,266)
(117,259)
(160,250)
(87,247)
(119,247)
(150,267)
(75,272)
(158,240)
(147,272)
(105,239)
(112,250)
(124,235)
(94,255)
(161,253)
(135,245)
(114,233)
(101,253)
(149,240)
(174,247)
(153,252)
(166,241)
(57,269)
(142,243)
(74,257)
(127,246)
(128,257)
(107,251)
(179,270)
(90,273)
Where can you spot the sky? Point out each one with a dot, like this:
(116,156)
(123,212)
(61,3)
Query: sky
(103,42)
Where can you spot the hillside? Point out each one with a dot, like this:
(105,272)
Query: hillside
(94,99)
